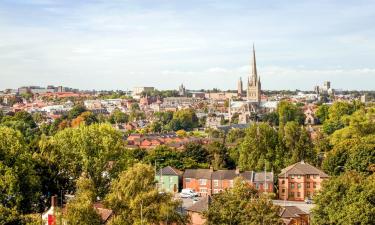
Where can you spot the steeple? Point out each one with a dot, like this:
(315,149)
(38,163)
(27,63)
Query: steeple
(254,73)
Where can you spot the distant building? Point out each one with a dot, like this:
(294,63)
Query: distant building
(240,87)
(292,215)
(300,181)
(181,90)
(169,179)
(137,91)
(254,85)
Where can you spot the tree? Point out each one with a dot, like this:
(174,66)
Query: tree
(241,205)
(289,112)
(260,148)
(80,210)
(346,200)
(88,149)
(322,113)
(118,117)
(183,119)
(135,200)
(235,135)
(76,111)
(218,155)
(272,118)
(298,143)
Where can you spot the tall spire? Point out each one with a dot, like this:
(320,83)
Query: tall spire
(254,73)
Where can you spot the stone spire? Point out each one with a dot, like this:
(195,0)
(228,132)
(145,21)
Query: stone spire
(254,73)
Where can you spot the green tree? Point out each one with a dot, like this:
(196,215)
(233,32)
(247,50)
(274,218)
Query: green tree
(135,200)
(241,205)
(322,113)
(346,200)
(80,210)
(289,112)
(118,117)
(76,111)
(183,119)
(235,135)
(260,148)
(89,149)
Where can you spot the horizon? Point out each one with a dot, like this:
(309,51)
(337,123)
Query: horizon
(118,45)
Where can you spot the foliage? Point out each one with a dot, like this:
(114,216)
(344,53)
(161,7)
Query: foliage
(347,199)
(80,210)
(135,200)
(322,113)
(289,112)
(241,205)
(184,119)
(235,135)
(118,117)
(86,149)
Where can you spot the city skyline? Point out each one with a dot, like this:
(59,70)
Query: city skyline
(204,44)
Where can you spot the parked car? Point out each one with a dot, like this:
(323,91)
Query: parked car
(308,201)
(188,193)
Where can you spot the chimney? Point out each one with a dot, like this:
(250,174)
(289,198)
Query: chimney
(302,161)
(211,169)
(237,171)
(54,201)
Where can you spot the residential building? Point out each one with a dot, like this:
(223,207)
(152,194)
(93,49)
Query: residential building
(208,182)
(292,215)
(196,211)
(169,179)
(300,181)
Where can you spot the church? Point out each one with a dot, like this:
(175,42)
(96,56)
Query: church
(250,108)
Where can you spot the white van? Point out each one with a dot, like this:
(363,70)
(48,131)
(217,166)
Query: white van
(188,193)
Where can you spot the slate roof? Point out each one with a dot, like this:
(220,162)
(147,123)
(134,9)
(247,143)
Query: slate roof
(302,168)
(291,212)
(198,173)
(201,205)
(169,171)
(259,177)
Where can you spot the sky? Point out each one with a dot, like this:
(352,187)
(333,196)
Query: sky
(120,44)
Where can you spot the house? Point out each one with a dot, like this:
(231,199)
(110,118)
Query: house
(292,215)
(195,211)
(208,181)
(300,181)
(198,180)
(169,179)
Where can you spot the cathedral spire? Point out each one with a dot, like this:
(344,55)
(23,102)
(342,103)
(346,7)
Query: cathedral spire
(254,73)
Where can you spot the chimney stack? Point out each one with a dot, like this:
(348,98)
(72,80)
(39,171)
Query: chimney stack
(54,201)
(237,171)
(211,169)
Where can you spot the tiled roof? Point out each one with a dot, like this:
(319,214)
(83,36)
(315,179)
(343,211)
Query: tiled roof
(302,168)
(291,212)
(198,173)
(224,175)
(169,171)
(259,176)
(201,205)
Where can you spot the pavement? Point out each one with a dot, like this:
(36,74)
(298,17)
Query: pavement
(186,202)
(302,205)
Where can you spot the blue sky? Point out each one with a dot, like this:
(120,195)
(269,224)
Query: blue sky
(119,44)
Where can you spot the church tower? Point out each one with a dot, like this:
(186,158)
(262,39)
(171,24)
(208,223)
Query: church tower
(254,85)
(239,87)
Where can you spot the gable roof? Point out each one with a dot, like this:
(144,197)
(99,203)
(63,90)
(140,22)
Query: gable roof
(291,212)
(201,205)
(302,168)
(169,171)
(198,173)
(259,177)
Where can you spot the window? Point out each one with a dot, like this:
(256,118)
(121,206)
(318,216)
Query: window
(187,180)
(314,184)
(283,182)
(308,194)
(216,183)
(283,190)
(308,176)
(292,176)
(257,186)
(203,190)
(170,179)
(231,183)
(291,185)
(299,186)
(308,184)
(298,194)
(314,176)
(299,176)
(216,191)
(291,194)
(202,181)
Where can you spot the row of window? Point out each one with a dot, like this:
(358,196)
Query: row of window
(203,182)
(298,194)
(308,176)
(299,185)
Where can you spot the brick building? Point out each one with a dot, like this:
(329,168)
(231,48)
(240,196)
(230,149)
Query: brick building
(300,181)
